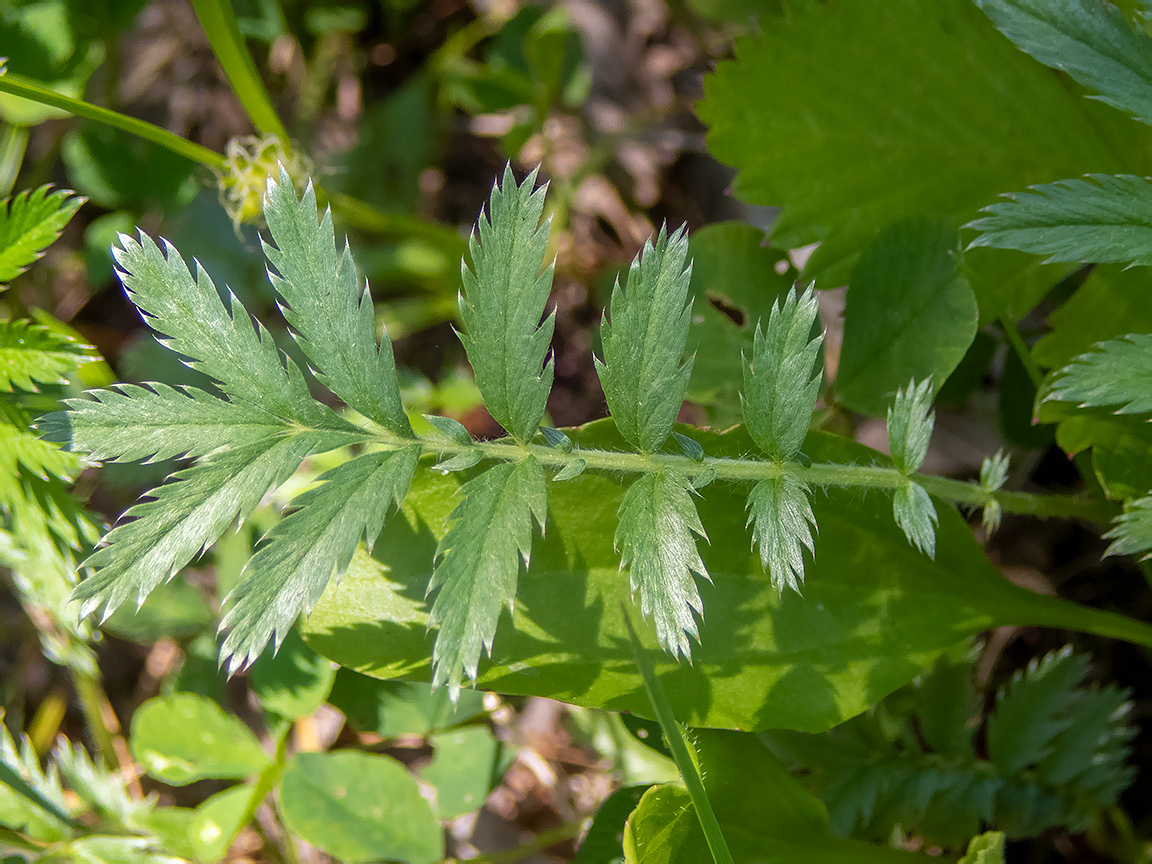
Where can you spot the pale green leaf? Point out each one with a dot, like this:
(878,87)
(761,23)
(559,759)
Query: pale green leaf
(1103,219)
(643,336)
(1116,373)
(31,798)
(104,791)
(986,848)
(309,547)
(916,515)
(993,473)
(910,313)
(780,514)
(187,515)
(461,461)
(910,422)
(501,304)
(192,320)
(1088,39)
(129,423)
(29,223)
(1132,532)
(329,308)
(656,539)
(31,353)
(478,562)
(781,385)
(573,469)
(22,452)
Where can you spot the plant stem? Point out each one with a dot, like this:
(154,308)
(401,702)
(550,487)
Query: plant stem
(95,707)
(359,214)
(223,31)
(17,86)
(541,841)
(685,761)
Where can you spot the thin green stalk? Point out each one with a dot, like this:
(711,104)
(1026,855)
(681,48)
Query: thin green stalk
(17,86)
(223,31)
(357,213)
(1021,349)
(92,705)
(266,782)
(538,843)
(674,735)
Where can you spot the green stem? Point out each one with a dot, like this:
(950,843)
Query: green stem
(266,782)
(92,704)
(538,843)
(685,761)
(357,213)
(223,31)
(1021,349)
(17,86)
(748,471)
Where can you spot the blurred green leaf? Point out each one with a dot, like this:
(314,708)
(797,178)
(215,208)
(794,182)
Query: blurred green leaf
(293,681)
(466,766)
(175,609)
(117,170)
(394,708)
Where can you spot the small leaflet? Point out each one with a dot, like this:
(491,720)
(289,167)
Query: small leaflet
(910,422)
(780,514)
(451,429)
(916,515)
(556,439)
(461,461)
(573,469)
(690,448)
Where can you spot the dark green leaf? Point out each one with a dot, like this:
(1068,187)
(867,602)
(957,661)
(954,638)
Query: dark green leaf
(478,561)
(780,513)
(294,681)
(1132,533)
(1089,40)
(910,314)
(394,708)
(603,844)
(501,304)
(643,336)
(174,610)
(1114,373)
(329,308)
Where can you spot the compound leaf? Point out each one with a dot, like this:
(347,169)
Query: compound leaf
(309,547)
(916,515)
(191,319)
(910,422)
(643,336)
(503,298)
(780,385)
(1088,39)
(780,514)
(329,307)
(1132,532)
(129,423)
(185,517)
(1091,749)
(1103,219)
(31,353)
(656,539)
(20,451)
(29,223)
(1118,372)
(477,564)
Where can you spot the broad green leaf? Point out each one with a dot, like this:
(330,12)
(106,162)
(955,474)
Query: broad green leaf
(1132,533)
(359,807)
(186,516)
(131,423)
(875,613)
(915,514)
(329,308)
(946,707)
(309,547)
(735,281)
(1120,444)
(1115,373)
(192,320)
(656,537)
(780,515)
(764,813)
(119,170)
(910,314)
(477,563)
(31,354)
(604,842)
(294,681)
(798,113)
(986,848)
(394,708)
(1104,219)
(780,386)
(181,738)
(218,821)
(29,224)
(1089,40)
(466,766)
(502,302)
(174,610)
(910,422)
(643,334)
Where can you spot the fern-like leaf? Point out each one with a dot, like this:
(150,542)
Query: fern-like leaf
(185,517)
(329,308)
(910,422)
(644,334)
(314,543)
(780,514)
(32,354)
(29,223)
(915,513)
(23,453)
(656,537)
(1103,219)
(1090,751)
(1088,39)
(501,304)
(478,563)
(1117,372)
(780,386)
(1131,534)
